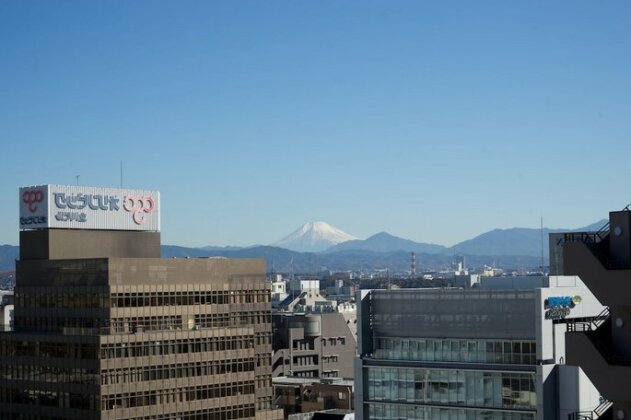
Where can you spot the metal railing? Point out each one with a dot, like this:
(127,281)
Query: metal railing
(586,237)
(596,413)
(588,324)
(602,408)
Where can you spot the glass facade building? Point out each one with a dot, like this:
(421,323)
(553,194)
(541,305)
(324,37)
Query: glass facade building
(447,354)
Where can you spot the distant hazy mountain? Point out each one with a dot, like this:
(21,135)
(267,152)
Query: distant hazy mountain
(173,251)
(517,247)
(283,260)
(313,237)
(384,242)
(8,255)
(515,241)
(222,248)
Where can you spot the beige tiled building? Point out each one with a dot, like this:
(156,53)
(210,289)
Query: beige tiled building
(106,329)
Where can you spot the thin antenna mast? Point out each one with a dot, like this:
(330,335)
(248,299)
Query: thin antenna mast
(542,267)
(77,176)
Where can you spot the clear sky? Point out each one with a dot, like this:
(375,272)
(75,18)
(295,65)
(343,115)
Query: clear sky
(432,120)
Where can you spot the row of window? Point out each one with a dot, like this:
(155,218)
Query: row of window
(49,398)
(334,341)
(54,323)
(134,349)
(44,349)
(305,360)
(453,387)
(136,300)
(169,396)
(165,347)
(182,370)
(82,402)
(72,375)
(309,344)
(405,412)
(141,324)
(36,298)
(454,350)
(232,319)
(221,413)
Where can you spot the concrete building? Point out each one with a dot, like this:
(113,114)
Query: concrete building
(279,290)
(307,395)
(106,329)
(6,310)
(602,346)
(313,345)
(471,353)
(314,337)
(334,414)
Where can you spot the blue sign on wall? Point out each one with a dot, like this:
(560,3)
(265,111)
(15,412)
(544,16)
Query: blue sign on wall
(559,307)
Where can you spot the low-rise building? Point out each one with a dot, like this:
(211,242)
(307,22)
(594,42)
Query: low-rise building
(305,395)
(312,345)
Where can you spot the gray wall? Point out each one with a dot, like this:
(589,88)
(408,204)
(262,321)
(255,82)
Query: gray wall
(57,244)
(453,313)
(138,271)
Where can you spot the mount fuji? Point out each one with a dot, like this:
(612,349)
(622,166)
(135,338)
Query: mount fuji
(314,237)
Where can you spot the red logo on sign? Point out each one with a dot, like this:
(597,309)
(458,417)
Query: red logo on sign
(32,199)
(139,204)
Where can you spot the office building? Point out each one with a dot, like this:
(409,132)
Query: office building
(106,329)
(602,347)
(469,354)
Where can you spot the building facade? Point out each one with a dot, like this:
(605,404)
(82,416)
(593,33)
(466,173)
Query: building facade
(602,346)
(106,329)
(469,354)
(313,345)
(306,395)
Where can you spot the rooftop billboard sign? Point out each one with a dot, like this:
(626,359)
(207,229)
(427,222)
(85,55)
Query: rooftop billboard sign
(78,207)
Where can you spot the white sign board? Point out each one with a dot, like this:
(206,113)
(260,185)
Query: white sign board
(76,207)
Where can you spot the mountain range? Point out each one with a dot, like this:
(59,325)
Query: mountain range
(510,248)
(514,241)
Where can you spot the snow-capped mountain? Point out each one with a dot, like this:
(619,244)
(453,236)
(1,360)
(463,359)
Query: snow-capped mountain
(314,237)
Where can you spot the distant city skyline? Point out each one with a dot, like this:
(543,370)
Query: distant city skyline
(432,121)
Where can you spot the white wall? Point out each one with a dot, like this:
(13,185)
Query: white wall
(567,384)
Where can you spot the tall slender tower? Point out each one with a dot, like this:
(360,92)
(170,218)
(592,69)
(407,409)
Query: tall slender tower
(413,265)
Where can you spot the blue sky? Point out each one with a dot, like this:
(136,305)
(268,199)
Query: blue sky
(434,121)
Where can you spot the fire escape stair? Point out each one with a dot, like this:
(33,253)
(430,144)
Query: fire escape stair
(612,287)
(591,350)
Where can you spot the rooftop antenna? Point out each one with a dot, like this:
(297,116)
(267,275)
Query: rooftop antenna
(291,268)
(77,177)
(542,267)
(291,278)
